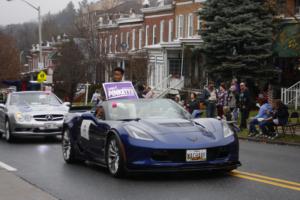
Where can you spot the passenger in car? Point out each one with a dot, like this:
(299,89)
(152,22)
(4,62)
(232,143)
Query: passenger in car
(99,114)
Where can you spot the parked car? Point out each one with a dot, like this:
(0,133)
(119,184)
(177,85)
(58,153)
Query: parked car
(148,135)
(34,113)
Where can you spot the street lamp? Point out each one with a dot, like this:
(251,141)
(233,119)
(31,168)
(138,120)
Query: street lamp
(38,9)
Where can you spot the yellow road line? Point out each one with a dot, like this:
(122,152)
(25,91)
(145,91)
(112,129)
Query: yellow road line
(267,178)
(267,182)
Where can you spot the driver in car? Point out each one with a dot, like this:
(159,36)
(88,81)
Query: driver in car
(99,114)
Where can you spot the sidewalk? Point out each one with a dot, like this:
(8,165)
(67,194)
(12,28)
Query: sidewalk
(292,140)
(15,188)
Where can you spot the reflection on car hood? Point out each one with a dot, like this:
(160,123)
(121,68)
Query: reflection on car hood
(41,108)
(181,131)
(172,126)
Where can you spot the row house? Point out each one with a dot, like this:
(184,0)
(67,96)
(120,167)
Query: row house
(120,39)
(173,56)
(287,43)
(166,34)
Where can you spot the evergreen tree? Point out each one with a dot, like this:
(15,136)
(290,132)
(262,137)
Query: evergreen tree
(237,38)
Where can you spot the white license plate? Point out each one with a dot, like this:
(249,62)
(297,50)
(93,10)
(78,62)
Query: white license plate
(196,155)
(50,126)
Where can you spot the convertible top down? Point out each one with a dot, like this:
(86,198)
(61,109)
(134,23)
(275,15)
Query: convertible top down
(149,135)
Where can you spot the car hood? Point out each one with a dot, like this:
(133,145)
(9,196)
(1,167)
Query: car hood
(178,130)
(39,109)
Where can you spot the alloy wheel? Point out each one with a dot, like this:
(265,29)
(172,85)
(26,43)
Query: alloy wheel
(66,145)
(113,157)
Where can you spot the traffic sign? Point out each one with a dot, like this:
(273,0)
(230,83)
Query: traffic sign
(41,77)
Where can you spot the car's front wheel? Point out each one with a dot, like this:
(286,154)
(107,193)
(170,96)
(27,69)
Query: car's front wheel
(68,149)
(8,136)
(114,157)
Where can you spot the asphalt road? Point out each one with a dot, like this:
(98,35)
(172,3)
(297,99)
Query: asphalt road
(40,162)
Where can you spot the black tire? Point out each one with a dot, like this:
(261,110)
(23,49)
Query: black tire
(69,152)
(8,136)
(115,154)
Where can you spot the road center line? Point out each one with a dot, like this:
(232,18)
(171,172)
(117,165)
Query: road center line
(266,180)
(7,167)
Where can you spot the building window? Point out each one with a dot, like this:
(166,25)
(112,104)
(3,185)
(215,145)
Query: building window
(105,46)
(110,43)
(175,67)
(116,42)
(170,36)
(121,39)
(154,35)
(146,35)
(100,46)
(199,24)
(297,6)
(190,25)
(133,39)
(180,26)
(140,38)
(161,31)
(127,40)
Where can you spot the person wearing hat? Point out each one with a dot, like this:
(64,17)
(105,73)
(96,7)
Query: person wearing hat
(264,113)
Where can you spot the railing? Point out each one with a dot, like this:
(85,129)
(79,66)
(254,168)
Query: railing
(291,95)
(163,84)
(166,90)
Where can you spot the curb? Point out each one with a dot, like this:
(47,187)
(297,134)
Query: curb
(269,141)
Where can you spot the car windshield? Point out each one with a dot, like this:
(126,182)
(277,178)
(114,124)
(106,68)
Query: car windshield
(145,109)
(41,98)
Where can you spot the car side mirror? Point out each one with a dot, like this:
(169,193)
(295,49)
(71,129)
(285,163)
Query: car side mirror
(67,104)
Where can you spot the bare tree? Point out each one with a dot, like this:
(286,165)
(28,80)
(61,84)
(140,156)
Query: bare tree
(70,71)
(9,56)
(86,25)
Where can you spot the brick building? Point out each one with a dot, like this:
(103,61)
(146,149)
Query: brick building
(166,35)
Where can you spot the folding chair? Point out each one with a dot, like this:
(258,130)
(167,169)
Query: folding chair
(292,125)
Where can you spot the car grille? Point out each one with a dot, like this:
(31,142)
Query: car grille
(45,118)
(179,155)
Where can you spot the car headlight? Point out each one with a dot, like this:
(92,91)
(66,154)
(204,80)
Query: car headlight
(137,133)
(20,117)
(226,130)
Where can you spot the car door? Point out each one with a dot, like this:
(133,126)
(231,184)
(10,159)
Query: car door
(98,132)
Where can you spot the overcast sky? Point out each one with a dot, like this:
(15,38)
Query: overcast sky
(16,11)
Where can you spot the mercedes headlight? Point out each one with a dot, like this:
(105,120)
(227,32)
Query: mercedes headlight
(137,133)
(20,117)
(226,130)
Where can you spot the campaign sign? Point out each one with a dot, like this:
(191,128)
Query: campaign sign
(119,90)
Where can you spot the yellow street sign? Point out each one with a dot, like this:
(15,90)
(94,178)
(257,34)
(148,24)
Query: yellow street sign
(41,77)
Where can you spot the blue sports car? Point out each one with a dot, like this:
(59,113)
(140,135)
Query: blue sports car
(148,135)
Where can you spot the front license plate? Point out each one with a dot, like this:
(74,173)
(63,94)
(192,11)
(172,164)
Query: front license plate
(196,155)
(50,126)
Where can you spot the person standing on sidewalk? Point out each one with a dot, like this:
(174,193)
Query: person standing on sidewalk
(232,102)
(221,100)
(96,98)
(244,104)
(210,95)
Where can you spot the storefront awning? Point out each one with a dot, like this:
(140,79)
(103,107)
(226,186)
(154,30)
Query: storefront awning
(287,44)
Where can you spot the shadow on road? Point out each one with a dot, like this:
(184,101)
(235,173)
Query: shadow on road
(36,140)
(163,177)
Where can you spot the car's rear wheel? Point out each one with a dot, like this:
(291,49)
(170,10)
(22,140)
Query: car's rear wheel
(114,157)
(68,149)
(9,137)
